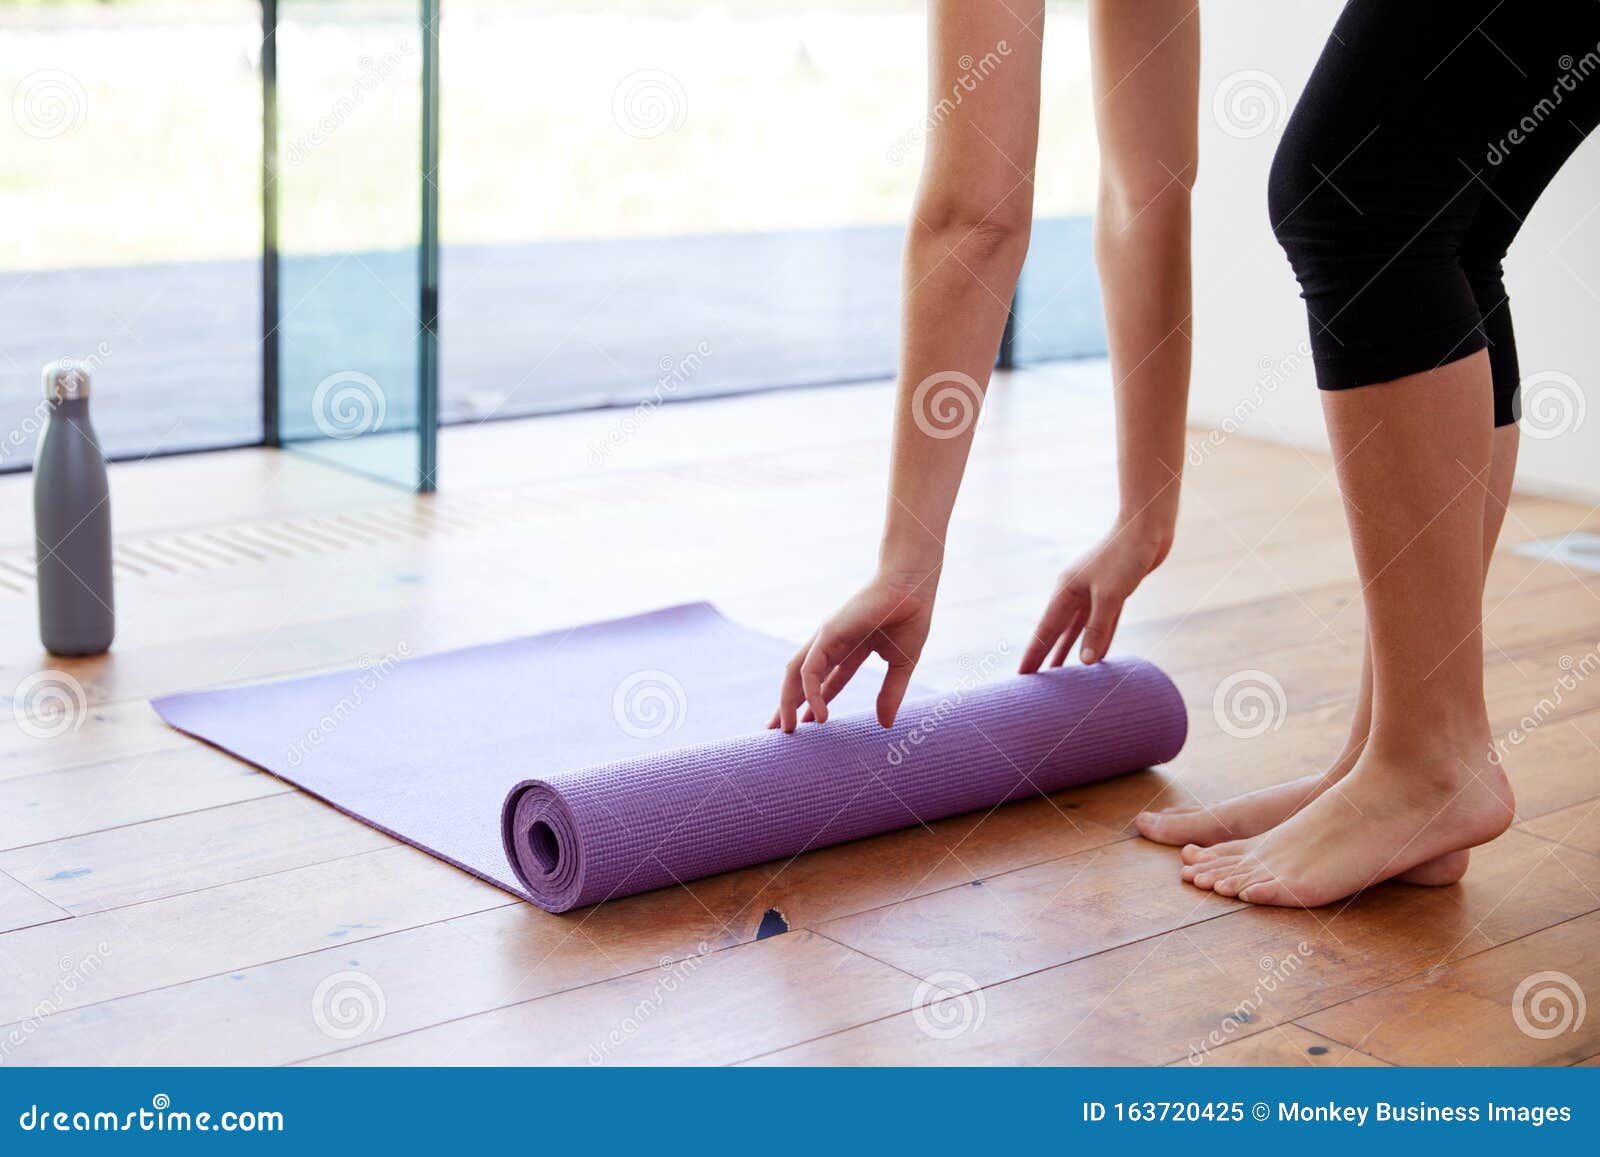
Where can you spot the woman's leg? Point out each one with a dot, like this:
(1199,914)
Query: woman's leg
(1252,813)
(1415,456)
(1398,256)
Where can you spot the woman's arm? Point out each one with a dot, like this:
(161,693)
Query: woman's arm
(964,250)
(1146,82)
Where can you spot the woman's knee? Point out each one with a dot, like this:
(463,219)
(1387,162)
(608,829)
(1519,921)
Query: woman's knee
(1385,298)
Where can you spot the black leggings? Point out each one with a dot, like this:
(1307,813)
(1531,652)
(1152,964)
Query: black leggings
(1425,135)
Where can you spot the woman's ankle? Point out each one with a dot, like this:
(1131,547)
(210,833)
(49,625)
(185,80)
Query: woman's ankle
(1347,757)
(1451,745)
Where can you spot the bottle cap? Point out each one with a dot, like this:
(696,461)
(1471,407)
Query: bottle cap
(66,379)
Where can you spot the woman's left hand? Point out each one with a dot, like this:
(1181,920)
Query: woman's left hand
(1089,596)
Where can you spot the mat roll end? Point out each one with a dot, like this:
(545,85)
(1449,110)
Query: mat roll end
(542,845)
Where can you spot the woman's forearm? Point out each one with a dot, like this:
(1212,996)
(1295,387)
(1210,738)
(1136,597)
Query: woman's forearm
(958,278)
(1143,254)
(964,250)
(1146,82)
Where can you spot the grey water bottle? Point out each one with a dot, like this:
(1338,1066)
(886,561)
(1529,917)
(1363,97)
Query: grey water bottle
(72,520)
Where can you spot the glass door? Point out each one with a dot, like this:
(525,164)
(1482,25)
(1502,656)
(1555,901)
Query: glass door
(351,233)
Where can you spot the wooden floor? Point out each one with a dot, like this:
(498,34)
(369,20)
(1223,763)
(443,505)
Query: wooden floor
(163,903)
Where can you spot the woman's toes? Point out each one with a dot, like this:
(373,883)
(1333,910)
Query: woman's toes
(1267,891)
(1230,884)
(1151,825)
(1246,875)
(1200,854)
(1207,874)
(1227,850)
(1168,826)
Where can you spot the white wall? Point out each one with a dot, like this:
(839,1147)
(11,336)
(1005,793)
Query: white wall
(1251,363)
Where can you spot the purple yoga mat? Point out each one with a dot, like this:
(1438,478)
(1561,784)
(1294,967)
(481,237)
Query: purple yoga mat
(628,755)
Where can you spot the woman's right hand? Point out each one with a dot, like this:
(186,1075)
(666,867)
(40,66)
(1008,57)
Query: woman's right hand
(889,616)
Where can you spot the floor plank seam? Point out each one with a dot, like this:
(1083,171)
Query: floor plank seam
(65,915)
(1523,829)
(61,919)
(906,972)
(1550,811)
(1118,837)
(91,764)
(242,880)
(287,789)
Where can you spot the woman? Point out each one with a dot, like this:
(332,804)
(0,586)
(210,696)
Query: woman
(1401,180)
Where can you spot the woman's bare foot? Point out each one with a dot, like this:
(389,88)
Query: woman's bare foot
(1241,816)
(1388,817)
(1254,812)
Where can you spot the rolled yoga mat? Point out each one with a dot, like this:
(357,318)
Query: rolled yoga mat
(628,755)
